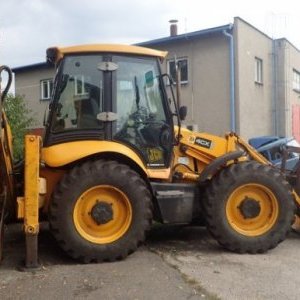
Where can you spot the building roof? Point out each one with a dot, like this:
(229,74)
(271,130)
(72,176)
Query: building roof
(185,36)
(189,35)
(41,65)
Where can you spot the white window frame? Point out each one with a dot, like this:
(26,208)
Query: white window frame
(296,80)
(187,72)
(258,73)
(46,92)
(77,79)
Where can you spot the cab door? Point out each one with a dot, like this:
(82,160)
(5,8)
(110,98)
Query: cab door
(143,118)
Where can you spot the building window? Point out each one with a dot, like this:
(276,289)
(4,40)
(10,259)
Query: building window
(46,89)
(80,88)
(258,70)
(296,80)
(183,65)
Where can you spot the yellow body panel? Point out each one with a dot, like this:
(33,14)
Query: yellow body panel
(218,144)
(59,155)
(62,154)
(205,148)
(52,177)
(190,156)
(111,48)
(163,174)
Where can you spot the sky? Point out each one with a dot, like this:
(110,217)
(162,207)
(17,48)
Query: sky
(29,27)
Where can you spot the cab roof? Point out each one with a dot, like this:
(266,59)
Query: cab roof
(54,54)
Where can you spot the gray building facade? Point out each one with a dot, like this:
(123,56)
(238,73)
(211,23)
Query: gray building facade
(233,78)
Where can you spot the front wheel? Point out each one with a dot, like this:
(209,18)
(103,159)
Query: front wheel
(249,207)
(100,211)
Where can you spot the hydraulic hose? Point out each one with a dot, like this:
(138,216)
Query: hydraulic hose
(9,81)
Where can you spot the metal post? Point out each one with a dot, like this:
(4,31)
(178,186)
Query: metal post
(31,259)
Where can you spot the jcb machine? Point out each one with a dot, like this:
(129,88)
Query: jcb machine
(114,157)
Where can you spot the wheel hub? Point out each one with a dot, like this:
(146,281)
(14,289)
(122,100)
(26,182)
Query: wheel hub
(102,213)
(249,208)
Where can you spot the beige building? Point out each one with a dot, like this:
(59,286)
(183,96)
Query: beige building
(233,78)
(35,83)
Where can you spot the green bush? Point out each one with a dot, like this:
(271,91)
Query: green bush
(20,120)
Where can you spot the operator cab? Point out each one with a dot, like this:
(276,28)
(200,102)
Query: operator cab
(113,93)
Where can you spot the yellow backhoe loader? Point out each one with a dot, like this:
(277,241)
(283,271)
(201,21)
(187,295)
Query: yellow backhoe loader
(114,157)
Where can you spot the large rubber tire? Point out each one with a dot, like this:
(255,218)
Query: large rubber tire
(87,190)
(249,207)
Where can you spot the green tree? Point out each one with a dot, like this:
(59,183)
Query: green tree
(20,119)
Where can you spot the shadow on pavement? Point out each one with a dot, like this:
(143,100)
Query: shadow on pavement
(14,248)
(160,238)
(194,238)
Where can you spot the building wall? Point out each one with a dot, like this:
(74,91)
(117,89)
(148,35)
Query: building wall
(260,109)
(254,101)
(207,93)
(287,60)
(28,85)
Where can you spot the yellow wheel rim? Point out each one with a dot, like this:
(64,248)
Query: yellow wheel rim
(102,198)
(252,209)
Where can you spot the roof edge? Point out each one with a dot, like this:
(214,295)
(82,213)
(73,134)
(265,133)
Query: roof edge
(40,65)
(287,41)
(186,36)
(252,26)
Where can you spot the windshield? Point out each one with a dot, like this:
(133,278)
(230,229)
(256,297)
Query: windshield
(80,94)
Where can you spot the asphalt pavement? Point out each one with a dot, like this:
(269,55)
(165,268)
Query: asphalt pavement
(175,263)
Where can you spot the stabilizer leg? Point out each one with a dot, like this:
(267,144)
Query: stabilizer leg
(31,220)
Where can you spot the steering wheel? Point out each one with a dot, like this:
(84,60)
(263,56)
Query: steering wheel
(140,115)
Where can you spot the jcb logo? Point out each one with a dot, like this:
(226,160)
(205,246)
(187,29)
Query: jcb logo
(154,154)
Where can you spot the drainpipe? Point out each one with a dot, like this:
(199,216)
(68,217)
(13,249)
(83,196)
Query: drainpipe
(232,79)
(274,90)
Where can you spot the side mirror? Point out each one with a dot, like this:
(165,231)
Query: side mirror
(51,56)
(182,112)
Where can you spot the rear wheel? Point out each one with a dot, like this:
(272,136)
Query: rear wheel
(100,211)
(249,207)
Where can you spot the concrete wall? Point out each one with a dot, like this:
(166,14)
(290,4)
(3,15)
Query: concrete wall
(207,93)
(254,101)
(28,85)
